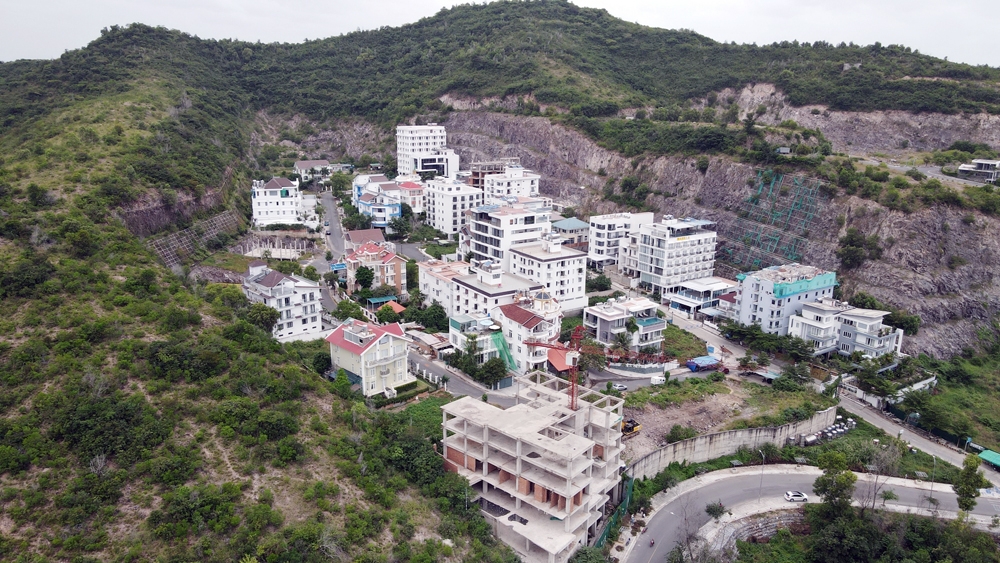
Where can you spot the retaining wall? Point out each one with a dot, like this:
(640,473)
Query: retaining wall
(757,526)
(711,446)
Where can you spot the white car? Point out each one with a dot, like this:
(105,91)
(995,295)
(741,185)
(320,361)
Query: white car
(619,387)
(796,496)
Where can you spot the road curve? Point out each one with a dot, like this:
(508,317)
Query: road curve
(683,512)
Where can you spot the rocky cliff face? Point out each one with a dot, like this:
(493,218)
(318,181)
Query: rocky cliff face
(914,272)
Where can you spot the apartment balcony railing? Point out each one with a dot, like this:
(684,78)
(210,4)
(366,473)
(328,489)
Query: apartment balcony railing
(385,360)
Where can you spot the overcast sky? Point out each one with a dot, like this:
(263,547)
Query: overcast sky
(961,30)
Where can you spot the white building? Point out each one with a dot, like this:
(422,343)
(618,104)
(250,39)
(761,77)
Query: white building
(560,269)
(279,201)
(494,229)
(436,281)
(309,169)
(673,251)
(833,325)
(486,288)
(423,148)
(609,233)
(545,474)
(701,296)
(527,322)
(412,194)
(772,296)
(373,356)
(514,181)
(296,299)
(609,319)
(446,202)
(981,169)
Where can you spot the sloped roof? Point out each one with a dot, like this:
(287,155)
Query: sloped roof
(521,316)
(277,183)
(571,224)
(257,263)
(337,336)
(361,236)
(366,198)
(728,297)
(411,186)
(558,360)
(272,278)
(301,164)
(396,307)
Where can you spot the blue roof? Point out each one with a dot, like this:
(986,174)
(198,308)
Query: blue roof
(571,224)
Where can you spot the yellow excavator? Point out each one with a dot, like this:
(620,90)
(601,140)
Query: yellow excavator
(630,428)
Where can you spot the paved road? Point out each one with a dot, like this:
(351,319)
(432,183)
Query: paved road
(334,243)
(412,252)
(684,515)
(928,170)
(459,384)
(947,453)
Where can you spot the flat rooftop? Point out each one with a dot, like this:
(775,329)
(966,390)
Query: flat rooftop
(787,273)
(509,283)
(708,284)
(537,250)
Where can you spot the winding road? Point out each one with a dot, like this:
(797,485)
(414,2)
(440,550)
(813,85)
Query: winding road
(683,513)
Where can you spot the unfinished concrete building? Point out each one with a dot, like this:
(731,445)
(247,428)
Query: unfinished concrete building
(546,475)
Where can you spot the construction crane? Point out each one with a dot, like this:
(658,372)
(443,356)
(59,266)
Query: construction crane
(573,352)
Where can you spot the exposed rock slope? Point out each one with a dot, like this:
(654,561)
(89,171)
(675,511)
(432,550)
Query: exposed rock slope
(913,273)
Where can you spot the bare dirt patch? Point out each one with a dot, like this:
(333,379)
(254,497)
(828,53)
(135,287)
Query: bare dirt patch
(707,415)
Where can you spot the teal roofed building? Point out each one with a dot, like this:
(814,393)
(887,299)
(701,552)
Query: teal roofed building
(772,296)
(575,231)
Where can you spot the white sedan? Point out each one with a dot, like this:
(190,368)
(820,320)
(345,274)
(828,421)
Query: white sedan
(619,387)
(796,496)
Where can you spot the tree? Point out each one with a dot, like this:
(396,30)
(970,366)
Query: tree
(492,371)
(400,227)
(434,318)
(836,485)
(405,211)
(888,494)
(321,362)
(968,483)
(364,277)
(599,283)
(339,182)
(262,316)
(342,385)
(348,309)
(311,273)
(589,555)
(715,509)
(592,356)
(386,315)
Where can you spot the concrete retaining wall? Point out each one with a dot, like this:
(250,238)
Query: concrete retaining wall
(711,446)
(756,526)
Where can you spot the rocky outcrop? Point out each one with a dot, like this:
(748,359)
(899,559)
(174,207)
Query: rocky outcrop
(914,272)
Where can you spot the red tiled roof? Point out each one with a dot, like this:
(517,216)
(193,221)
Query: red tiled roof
(388,258)
(272,278)
(558,360)
(396,307)
(337,336)
(365,235)
(730,297)
(521,316)
(411,186)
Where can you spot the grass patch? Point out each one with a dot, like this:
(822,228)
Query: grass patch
(425,416)
(780,407)
(229,261)
(438,250)
(675,392)
(681,344)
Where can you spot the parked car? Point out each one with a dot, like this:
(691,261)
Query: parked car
(619,387)
(326,224)
(796,496)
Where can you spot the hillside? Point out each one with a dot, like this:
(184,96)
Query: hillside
(145,416)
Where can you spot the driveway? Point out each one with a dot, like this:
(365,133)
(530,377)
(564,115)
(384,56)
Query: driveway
(460,384)
(412,251)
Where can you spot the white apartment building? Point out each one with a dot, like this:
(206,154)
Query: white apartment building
(423,148)
(515,181)
(486,288)
(609,233)
(446,202)
(436,280)
(412,194)
(373,356)
(609,319)
(279,201)
(545,474)
(494,229)
(673,251)
(296,299)
(772,296)
(833,325)
(560,269)
(529,321)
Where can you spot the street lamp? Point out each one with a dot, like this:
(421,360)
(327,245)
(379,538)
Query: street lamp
(760,489)
(933,470)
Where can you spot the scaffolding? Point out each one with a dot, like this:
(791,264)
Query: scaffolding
(773,223)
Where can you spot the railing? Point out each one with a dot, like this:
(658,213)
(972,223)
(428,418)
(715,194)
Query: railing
(388,359)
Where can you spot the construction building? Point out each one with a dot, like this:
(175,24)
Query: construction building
(772,296)
(478,171)
(545,474)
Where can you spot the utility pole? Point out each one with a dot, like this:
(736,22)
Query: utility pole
(760,489)
(933,470)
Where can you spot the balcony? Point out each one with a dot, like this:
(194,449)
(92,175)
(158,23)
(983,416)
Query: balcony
(651,324)
(385,360)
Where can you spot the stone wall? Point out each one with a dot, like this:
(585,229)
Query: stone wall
(756,526)
(711,446)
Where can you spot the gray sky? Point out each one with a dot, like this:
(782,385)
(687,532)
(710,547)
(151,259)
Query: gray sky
(961,30)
